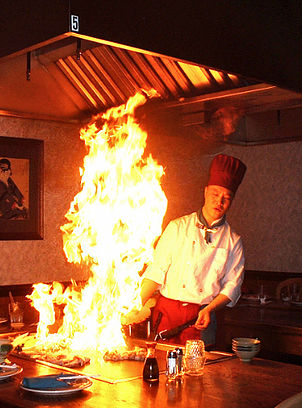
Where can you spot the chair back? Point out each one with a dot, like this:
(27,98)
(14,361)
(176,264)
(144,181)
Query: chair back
(290,290)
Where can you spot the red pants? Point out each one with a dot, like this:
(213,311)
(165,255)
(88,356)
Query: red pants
(175,313)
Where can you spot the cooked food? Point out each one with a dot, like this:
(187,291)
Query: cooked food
(137,354)
(62,360)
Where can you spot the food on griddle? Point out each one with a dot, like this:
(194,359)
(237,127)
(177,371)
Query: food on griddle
(62,360)
(138,354)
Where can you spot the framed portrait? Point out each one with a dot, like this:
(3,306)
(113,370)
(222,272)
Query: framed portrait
(21,189)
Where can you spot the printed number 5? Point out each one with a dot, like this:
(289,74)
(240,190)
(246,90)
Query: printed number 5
(74,23)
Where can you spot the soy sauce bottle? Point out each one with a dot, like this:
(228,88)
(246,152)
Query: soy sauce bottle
(151,371)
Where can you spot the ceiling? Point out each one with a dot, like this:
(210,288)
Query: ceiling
(72,77)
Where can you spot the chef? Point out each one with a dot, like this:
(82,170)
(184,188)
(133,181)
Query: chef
(198,263)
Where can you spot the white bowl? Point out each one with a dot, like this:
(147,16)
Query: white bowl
(246,356)
(245,341)
(245,348)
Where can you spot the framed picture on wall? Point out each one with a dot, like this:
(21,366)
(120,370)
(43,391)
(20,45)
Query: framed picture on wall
(21,189)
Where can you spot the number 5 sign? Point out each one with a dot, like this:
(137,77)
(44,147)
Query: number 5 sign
(74,23)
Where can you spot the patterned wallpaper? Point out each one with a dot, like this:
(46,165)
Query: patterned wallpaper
(43,260)
(266,211)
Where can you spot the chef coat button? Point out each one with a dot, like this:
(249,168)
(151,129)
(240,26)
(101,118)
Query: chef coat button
(200,290)
(183,286)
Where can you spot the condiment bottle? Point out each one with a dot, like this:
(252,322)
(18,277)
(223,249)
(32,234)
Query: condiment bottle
(151,371)
(171,365)
(180,361)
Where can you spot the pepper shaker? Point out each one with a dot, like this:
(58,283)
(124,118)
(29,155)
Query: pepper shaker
(180,361)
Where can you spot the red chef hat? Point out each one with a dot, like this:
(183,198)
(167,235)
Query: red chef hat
(226,171)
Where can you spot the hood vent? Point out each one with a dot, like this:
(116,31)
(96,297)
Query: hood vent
(72,77)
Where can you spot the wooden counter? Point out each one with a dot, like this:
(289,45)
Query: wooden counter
(277,325)
(227,384)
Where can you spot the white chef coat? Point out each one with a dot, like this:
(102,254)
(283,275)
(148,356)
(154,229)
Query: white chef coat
(190,270)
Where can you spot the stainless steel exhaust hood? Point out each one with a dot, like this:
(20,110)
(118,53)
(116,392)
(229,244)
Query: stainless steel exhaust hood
(71,76)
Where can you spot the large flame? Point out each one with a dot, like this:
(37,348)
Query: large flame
(112,225)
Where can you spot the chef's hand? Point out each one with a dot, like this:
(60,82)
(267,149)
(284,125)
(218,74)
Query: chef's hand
(137,316)
(203,319)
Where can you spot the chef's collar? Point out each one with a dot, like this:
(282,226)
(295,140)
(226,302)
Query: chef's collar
(203,224)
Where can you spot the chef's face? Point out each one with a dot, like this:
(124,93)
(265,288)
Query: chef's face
(217,202)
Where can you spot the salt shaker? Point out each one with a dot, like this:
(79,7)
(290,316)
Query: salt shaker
(171,365)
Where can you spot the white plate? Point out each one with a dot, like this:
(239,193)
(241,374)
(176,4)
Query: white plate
(3,320)
(6,372)
(74,386)
(254,298)
(296,303)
